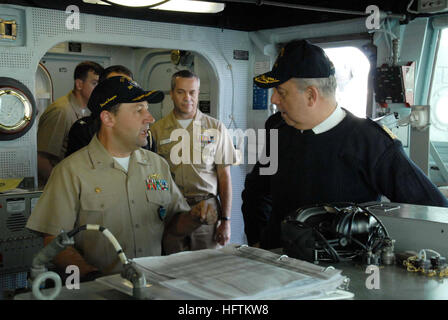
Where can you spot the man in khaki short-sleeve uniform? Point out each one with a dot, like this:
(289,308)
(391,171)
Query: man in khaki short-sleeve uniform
(115,183)
(56,121)
(204,173)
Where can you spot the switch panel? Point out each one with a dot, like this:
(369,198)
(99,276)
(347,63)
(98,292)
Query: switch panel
(18,245)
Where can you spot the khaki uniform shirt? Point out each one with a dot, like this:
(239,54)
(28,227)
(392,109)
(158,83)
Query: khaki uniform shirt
(55,123)
(210,148)
(90,187)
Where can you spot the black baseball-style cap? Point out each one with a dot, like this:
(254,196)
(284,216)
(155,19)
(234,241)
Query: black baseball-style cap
(115,90)
(297,59)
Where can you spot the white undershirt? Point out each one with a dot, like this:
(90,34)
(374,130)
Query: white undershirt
(184,123)
(124,162)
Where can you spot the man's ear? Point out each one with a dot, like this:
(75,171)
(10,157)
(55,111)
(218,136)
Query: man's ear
(107,118)
(79,84)
(312,94)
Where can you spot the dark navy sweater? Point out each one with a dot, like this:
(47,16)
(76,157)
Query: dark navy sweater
(356,161)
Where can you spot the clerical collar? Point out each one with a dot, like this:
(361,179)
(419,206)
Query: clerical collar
(332,121)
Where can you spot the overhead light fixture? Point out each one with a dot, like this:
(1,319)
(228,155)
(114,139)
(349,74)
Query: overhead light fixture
(191,6)
(136,3)
(169,5)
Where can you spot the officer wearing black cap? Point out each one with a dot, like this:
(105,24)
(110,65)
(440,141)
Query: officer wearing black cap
(121,90)
(82,131)
(115,183)
(326,154)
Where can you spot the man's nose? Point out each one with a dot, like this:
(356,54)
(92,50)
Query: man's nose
(275,99)
(149,118)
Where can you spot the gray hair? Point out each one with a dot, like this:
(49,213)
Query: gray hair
(326,86)
(183,74)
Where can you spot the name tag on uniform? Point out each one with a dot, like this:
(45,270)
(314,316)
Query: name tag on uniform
(165,141)
(155,183)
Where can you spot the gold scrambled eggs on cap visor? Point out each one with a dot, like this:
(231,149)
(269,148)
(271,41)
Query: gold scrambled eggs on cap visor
(265,80)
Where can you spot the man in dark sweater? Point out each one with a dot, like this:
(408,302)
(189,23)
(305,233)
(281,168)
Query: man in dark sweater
(326,154)
(257,205)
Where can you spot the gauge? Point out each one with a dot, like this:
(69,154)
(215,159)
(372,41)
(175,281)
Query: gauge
(17,109)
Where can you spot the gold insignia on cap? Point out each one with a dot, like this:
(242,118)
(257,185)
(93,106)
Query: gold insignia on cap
(144,95)
(97,190)
(107,101)
(264,79)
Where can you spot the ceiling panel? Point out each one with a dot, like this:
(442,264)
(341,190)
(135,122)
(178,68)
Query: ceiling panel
(245,15)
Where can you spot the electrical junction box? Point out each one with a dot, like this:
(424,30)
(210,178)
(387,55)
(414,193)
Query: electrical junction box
(432,6)
(388,85)
(413,227)
(395,84)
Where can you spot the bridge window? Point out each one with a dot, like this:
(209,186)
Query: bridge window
(438,102)
(352,71)
(439,92)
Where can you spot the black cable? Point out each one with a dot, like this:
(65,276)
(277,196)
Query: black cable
(367,246)
(371,236)
(73,232)
(82,228)
(359,243)
(333,253)
(347,212)
(373,247)
(376,218)
(349,226)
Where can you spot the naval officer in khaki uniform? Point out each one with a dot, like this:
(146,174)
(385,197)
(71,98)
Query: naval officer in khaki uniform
(117,184)
(57,119)
(203,171)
